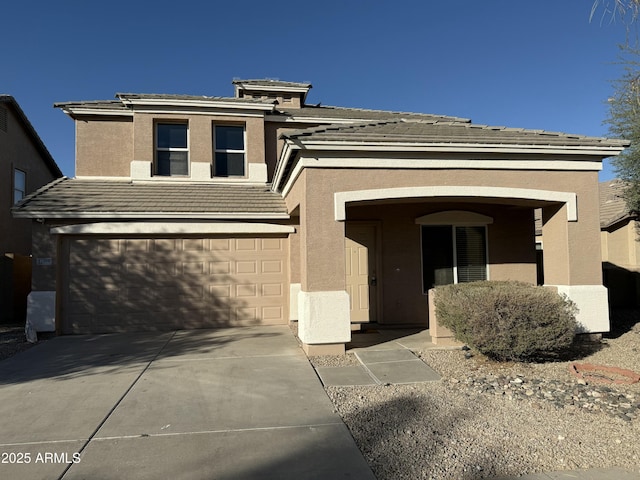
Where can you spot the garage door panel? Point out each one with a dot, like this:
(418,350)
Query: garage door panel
(249,267)
(272,290)
(272,266)
(168,283)
(220,267)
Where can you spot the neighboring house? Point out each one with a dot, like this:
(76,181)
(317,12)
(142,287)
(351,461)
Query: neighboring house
(194,211)
(25,165)
(620,241)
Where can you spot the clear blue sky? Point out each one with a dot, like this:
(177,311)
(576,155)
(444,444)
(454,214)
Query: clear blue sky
(539,65)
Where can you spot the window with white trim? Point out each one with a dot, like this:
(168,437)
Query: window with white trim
(19,185)
(229,151)
(453,254)
(172,149)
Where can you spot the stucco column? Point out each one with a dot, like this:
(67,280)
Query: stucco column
(572,262)
(324,324)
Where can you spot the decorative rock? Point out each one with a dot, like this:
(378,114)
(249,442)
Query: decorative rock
(560,394)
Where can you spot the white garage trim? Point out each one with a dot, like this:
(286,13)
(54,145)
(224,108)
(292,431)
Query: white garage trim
(155,228)
(342,198)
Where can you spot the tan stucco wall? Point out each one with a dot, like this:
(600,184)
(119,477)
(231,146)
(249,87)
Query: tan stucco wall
(618,243)
(576,261)
(510,239)
(104,147)
(621,245)
(17,151)
(274,146)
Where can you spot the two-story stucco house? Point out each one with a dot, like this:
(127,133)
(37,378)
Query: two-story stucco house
(194,211)
(25,165)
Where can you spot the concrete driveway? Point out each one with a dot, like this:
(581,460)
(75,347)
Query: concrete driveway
(204,404)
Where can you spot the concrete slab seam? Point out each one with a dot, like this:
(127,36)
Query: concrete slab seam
(209,432)
(199,359)
(110,412)
(364,365)
(41,442)
(394,361)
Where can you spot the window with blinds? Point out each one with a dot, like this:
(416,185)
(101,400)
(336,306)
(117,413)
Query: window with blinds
(453,254)
(471,254)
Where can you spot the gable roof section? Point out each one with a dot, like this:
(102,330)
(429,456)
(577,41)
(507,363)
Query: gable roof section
(428,136)
(82,198)
(31,132)
(613,207)
(442,132)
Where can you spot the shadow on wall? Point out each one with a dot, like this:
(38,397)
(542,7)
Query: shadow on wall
(160,284)
(623,285)
(15,285)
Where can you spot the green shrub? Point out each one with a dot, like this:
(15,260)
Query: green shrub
(507,320)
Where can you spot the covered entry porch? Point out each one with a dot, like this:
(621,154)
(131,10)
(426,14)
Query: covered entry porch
(396,244)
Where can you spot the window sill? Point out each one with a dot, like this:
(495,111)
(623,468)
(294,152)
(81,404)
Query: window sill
(200,173)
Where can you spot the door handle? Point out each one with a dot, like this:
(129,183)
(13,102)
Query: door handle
(373,282)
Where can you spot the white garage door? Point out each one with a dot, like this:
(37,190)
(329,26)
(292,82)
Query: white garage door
(132,284)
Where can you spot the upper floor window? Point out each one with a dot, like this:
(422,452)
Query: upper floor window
(19,185)
(229,151)
(172,149)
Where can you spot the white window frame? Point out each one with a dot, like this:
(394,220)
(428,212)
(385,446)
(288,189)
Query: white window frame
(229,150)
(453,219)
(23,193)
(455,251)
(172,149)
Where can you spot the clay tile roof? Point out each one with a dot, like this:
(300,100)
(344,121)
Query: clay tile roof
(613,207)
(69,198)
(361,114)
(444,131)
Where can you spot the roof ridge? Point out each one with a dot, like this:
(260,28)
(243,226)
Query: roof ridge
(338,127)
(395,112)
(37,141)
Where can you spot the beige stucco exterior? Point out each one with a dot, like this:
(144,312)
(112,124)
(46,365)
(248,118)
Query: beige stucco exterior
(621,244)
(621,262)
(328,187)
(106,148)
(571,247)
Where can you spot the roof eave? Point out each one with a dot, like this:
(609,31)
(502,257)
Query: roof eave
(31,131)
(47,214)
(592,150)
(169,102)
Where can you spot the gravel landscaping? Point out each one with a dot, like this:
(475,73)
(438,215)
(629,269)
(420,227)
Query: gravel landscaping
(486,419)
(12,340)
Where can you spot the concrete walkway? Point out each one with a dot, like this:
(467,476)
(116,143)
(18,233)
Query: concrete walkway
(224,404)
